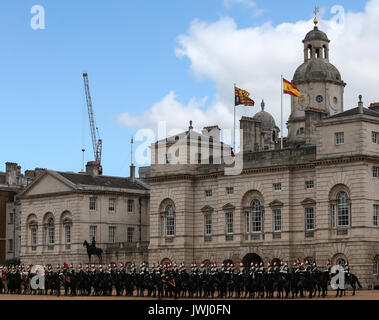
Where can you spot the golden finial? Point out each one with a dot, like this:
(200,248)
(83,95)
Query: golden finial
(315,19)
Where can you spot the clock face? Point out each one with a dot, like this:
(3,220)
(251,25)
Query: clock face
(319,99)
(303,102)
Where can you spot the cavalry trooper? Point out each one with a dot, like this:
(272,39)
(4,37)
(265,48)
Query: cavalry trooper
(182,268)
(242,269)
(261,268)
(269,268)
(314,267)
(328,266)
(276,267)
(347,269)
(133,269)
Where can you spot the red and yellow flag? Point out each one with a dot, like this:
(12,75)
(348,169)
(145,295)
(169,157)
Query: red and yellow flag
(289,88)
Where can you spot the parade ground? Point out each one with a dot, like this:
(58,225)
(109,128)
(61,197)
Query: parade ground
(360,295)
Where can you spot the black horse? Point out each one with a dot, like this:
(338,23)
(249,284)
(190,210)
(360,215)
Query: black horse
(93,250)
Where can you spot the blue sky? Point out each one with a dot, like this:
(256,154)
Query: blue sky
(128,50)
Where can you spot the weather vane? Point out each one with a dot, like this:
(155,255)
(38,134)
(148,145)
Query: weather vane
(315,20)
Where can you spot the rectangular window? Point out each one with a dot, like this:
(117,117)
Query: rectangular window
(112,234)
(10,218)
(208,193)
(229,190)
(130,235)
(198,158)
(375,137)
(375,267)
(130,205)
(309,219)
(309,184)
(343,215)
(10,245)
(170,224)
(375,172)
(277,186)
(92,232)
(333,216)
(92,203)
(229,223)
(376,215)
(256,221)
(112,205)
(208,225)
(67,234)
(162,226)
(340,138)
(168,158)
(33,236)
(247,222)
(277,220)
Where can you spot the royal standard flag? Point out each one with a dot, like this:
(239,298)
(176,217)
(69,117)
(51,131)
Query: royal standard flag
(289,88)
(242,97)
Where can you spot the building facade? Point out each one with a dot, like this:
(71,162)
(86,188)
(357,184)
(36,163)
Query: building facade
(316,199)
(61,210)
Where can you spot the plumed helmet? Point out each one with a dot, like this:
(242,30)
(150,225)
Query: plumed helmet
(261,264)
(241,264)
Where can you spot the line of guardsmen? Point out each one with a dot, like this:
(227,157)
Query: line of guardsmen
(161,280)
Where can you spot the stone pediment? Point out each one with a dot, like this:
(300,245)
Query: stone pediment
(48,183)
(228,206)
(207,209)
(276,203)
(308,201)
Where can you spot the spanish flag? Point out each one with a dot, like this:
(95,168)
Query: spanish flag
(242,97)
(289,88)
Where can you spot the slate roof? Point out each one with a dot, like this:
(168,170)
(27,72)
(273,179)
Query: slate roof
(102,181)
(353,112)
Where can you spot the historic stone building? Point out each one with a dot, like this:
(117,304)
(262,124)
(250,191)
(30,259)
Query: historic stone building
(61,210)
(317,198)
(12,182)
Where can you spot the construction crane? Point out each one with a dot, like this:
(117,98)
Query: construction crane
(97,143)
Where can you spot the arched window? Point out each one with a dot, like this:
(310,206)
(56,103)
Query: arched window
(170,221)
(340,207)
(309,52)
(50,231)
(256,216)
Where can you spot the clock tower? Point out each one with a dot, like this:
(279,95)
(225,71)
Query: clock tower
(319,82)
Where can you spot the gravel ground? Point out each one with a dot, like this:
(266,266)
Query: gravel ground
(360,295)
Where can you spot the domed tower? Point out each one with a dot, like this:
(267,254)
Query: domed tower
(269,129)
(319,82)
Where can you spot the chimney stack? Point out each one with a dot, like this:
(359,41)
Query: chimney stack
(92,168)
(132,171)
(11,170)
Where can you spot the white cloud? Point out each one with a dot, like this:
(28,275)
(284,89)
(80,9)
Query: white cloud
(254,59)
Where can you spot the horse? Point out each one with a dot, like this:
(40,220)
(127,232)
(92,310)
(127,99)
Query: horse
(93,250)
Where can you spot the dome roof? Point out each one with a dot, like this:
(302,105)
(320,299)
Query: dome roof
(317,70)
(316,34)
(266,119)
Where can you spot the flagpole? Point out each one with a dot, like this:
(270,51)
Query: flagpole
(281,113)
(234,132)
